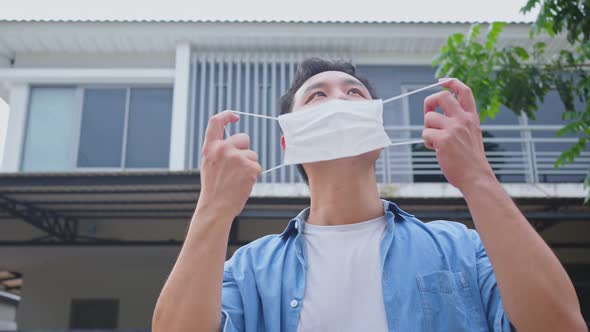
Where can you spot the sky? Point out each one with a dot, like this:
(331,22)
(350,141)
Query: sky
(307,10)
(380,10)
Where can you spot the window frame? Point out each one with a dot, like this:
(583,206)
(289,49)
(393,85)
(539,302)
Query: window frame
(78,115)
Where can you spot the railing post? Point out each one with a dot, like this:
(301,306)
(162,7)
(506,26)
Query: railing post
(386,175)
(531,174)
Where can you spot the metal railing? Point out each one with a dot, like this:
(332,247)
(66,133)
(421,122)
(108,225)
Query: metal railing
(517,153)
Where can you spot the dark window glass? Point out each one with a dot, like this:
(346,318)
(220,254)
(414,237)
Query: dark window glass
(148,134)
(101,132)
(94,314)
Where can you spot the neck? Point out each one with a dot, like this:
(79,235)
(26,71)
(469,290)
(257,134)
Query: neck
(339,199)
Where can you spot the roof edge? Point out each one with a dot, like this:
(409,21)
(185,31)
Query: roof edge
(254,21)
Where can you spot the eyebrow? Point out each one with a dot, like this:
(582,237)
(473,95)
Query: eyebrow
(323,84)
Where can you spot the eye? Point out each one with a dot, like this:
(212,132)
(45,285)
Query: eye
(355,92)
(314,95)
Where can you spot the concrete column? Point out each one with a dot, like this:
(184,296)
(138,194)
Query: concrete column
(15,134)
(179,141)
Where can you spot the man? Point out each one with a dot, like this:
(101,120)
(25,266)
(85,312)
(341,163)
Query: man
(352,262)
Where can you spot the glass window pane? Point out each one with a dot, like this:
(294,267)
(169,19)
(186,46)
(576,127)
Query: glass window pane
(49,130)
(101,133)
(148,134)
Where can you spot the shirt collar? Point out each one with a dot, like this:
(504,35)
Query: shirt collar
(296,224)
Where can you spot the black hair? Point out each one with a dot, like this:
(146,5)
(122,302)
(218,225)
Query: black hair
(311,67)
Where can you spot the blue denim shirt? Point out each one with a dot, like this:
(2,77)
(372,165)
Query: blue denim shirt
(436,277)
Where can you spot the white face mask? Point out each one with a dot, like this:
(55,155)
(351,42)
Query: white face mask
(335,129)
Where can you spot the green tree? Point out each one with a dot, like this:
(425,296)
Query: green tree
(520,78)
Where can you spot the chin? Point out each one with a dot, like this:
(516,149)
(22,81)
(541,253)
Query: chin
(367,159)
(371,156)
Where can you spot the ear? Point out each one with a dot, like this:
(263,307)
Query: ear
(283,143)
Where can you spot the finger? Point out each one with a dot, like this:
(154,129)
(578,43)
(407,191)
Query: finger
(240,141)
(435,120)
(216,125)
(255,166)
(430,136)
(250,155)
(463,92)
(445,101)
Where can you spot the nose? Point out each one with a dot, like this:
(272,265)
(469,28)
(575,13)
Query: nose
(342,95)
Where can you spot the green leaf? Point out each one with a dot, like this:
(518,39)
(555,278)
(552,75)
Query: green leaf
(522,53)
(493,34)
(457,38)
(529,6)
(569,155)
(473,32)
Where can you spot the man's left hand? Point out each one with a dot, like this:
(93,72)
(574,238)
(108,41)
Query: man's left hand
(456,136)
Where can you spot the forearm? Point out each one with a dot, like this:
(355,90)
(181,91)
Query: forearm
(536,291)
(191,297)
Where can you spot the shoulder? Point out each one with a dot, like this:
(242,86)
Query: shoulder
(256,252)
(448,228)
(448,234)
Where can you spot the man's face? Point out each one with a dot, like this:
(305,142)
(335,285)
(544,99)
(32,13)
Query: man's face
(326,86)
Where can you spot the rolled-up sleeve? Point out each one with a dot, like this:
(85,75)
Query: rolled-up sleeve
(488,288)
(232,306)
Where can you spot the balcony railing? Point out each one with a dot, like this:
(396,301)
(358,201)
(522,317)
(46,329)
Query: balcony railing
(517,153)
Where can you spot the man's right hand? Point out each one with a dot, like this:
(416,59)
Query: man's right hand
(228,168)
(191,297)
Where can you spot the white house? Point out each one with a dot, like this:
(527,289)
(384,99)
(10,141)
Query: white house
(99,172)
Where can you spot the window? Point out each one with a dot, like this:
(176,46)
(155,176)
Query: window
(50,134)
(102,129)
(149,127)
(97,127)
(125,128)
(94,313)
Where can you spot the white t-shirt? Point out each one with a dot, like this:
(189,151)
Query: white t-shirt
(343,290)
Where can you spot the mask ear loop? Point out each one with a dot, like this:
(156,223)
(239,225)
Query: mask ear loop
(420,141)
(256,115)
(417,90)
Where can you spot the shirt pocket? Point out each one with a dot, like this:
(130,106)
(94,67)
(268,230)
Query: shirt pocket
(447,302)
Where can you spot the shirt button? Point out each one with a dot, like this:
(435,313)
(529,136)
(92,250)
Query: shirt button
(294,303)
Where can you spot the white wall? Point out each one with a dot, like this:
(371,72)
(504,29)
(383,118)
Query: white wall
(52,277)
(3,126)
